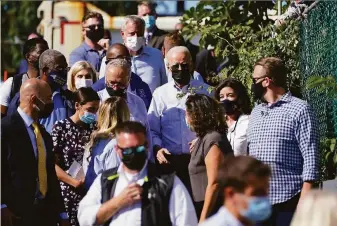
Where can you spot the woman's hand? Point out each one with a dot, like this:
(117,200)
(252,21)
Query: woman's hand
(78,183)
(192,144)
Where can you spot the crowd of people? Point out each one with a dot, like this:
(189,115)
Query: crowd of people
(150,142)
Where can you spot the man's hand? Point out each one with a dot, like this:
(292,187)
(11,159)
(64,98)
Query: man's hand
(130,195)
(105,43)
(7,217)
(161,157)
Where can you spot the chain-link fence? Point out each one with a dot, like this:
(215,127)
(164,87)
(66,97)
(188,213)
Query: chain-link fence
(318,57)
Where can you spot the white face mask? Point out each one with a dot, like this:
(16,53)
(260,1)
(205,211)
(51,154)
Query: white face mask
(82,82)
(134,43)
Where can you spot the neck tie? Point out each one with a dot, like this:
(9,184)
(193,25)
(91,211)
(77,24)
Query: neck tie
(41,156)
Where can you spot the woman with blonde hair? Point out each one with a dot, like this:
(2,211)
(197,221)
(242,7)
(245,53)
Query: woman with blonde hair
(318,208)
(111,112)
(81,74)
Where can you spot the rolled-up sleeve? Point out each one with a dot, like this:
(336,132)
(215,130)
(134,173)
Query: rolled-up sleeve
(154,121)
(307,136)
(103,68)
(90,204)
(182,212)
(108,159)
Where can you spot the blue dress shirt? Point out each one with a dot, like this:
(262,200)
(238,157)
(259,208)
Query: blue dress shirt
(222,218)
(137,86)
(86,53)
(285,136)
(167,116)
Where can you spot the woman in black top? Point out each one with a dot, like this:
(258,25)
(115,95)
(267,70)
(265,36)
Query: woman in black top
(205,117)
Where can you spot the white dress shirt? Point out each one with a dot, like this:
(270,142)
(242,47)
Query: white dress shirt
(137,113)
(237,135)
(149,65)
(6,88)
(181,209)
(167,116)
(222,218)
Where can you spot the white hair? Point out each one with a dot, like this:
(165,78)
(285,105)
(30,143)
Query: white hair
(178,49)
(121,63)
(133,19)
(318,208)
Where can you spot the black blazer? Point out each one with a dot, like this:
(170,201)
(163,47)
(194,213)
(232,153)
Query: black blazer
(19,169)
(157,39)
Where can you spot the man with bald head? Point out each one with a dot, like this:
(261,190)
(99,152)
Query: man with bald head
(117,80)
(136,86)
(53,70)
(170,134)
(30,189)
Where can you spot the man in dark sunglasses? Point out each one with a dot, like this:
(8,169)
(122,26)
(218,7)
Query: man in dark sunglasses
(135,193)
(94,46)
(137,85)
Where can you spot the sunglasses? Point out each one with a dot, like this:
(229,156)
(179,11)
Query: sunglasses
(183,66)
(93,26)
(133,150)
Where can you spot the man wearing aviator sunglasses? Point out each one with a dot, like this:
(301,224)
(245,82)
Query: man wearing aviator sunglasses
(94,46)
(134,193)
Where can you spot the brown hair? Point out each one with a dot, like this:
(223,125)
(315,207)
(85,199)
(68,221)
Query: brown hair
(206,114)
(90,14)
(149,4)
(173,39)
(238,171)
(276,70)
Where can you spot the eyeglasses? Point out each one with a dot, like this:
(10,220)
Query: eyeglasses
(183,66)
(115,85)
(93,26)
(132,150)
(127,58)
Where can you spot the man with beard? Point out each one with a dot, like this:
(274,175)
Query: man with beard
(171,136)
(32,50)
(93,48)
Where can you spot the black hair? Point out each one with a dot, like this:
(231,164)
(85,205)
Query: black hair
(30,45)
(240,90)
(84,95)
(237,172)
(206,114)
(130,127)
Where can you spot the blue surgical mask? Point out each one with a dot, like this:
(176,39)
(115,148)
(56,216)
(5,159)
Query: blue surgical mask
(259,209)
(150,21)
(88,117)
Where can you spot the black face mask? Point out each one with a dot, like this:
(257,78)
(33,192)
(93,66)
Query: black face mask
(44,109)
(258,90)
(182,77)
(116,93)
(57,79)
(95,35)
(229,106)
(134,158)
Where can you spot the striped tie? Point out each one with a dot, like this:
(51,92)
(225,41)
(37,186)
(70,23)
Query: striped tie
(41,160)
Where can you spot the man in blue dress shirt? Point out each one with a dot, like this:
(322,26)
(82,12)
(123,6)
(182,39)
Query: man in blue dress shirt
(283,133)
(92,49)
(245,184)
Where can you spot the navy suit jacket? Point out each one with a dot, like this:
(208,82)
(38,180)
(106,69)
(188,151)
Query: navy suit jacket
(137,86)
(19,170)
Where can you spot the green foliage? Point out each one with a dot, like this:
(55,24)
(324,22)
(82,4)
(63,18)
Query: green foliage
(326,85)
(329,157)
(242,31)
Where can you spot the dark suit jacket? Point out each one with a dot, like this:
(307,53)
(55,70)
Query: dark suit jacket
(157,39)
(19,170)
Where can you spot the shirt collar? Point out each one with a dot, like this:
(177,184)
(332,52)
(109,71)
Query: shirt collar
(139,177)
(88,48)
(284,99)
(230,219)
(26,118)
(145,51)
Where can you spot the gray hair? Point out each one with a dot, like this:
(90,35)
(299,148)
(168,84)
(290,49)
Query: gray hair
(178,49)
(121,63)
(48,58)
(133,19)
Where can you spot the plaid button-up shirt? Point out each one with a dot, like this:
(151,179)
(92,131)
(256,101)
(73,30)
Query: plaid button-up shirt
(284,135)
